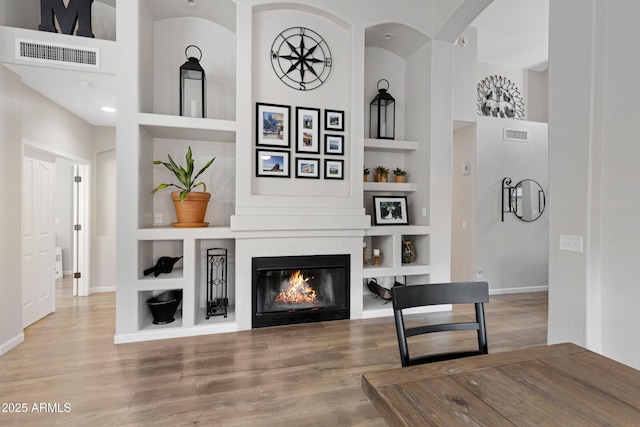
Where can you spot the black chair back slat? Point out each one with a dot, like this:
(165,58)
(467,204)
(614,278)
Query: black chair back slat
(404,297)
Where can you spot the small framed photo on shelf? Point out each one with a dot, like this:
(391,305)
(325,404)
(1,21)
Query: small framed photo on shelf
(307,168)
(272,163)
(308,130)
(333,144)
(334,120)
(333,169)
(272,125)
(390,210)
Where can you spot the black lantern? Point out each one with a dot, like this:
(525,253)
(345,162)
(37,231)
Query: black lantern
(193,86)
(382,118)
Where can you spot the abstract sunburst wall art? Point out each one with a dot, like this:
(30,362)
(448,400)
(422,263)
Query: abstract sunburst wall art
(499,97)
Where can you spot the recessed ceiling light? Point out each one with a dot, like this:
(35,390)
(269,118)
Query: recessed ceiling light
(108,109)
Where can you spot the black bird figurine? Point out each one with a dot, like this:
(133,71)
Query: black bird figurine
(164,265)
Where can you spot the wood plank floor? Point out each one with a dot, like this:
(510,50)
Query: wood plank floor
(302,375)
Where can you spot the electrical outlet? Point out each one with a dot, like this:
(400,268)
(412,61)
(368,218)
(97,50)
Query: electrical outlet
(157,218)
(571,243)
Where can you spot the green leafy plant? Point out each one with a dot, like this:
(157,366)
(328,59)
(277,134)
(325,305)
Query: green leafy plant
(382,171)
(366,171)
(399,172)
(184,175)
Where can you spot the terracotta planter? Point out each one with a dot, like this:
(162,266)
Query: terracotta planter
(400,178)
(380,177)
(366,177)
(192,209)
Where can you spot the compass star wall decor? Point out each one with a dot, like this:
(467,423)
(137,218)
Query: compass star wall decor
(301,58)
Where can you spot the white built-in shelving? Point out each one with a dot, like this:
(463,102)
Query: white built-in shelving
(388,239)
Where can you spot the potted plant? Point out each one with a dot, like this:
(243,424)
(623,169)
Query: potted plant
(399,174)
(366,174)
(190,206)
(381,174)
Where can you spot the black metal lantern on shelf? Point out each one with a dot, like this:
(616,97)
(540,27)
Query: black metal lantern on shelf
(382,117)
(193,86)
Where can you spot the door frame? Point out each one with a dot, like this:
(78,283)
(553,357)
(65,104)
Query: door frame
(84,286)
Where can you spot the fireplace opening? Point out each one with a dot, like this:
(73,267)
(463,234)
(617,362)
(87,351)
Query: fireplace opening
(300,289)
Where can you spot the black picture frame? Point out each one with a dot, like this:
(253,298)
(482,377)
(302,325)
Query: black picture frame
(307,168)
(333,144)
(390,210)
(308,128)
(273,125)
(334,120)
(273,163)
(333,169)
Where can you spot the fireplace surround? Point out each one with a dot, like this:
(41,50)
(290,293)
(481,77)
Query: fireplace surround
(299,289)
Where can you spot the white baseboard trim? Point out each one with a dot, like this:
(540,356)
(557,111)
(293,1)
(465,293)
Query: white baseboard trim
(100,289)
(518,290)
(4,348)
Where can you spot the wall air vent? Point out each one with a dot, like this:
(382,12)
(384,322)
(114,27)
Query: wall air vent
(55,53)
(516,135)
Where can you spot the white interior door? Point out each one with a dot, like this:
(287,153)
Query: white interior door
(38,241)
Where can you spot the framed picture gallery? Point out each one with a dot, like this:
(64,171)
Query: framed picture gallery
(334,120)
(272,163)
(390,210)
(333,169)
(307,168)
(333,144)
(307,130)
(272,125)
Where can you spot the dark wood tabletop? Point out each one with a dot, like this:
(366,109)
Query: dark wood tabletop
(554,385)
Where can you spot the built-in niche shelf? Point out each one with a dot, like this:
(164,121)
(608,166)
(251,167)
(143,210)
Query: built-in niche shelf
(389,230)
(384,187)
(389,145)
(188,128)
(175,275)
(170,232)
(388,239)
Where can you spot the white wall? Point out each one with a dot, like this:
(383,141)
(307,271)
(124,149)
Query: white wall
(537,100)
(463,207)
(47,124)
(103,241)
(593,115)
(513,255)
(465,81)
(10,213)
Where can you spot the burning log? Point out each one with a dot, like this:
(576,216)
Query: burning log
(298,291)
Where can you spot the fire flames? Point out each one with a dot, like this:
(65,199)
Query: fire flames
(298,291)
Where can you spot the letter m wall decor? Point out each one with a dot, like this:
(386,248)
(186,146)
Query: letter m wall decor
(76,12)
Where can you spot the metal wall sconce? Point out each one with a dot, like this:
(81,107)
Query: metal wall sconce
(526,200)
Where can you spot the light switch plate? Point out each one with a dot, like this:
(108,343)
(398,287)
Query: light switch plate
(570,243)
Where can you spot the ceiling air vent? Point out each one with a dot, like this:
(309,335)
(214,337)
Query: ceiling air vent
(516,135)
(54,53)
